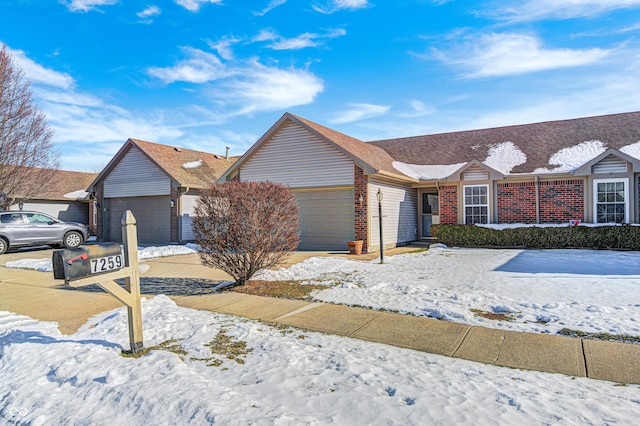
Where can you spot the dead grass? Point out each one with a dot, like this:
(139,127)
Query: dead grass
(496,316)
(282,289)
(169,345)
(623,338)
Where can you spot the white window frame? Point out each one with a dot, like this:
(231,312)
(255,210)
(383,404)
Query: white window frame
(627,195)
(465,205)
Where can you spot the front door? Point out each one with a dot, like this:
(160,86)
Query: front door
(430,212)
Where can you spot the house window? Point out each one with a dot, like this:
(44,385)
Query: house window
(476,204)
(611,200)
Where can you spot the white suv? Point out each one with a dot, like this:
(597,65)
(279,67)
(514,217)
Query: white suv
(27,228)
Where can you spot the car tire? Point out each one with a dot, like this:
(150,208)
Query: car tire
(72,239)
(4,246)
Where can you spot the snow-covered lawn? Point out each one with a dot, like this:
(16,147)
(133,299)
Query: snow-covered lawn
(287,376)
(281,376)
(540,290)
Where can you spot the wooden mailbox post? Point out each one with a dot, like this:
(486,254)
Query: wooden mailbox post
(89,271)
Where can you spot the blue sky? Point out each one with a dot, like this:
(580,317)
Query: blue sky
(206,74)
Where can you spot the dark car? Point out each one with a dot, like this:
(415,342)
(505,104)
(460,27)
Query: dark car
(28,228)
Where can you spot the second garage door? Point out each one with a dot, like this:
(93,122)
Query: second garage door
(152,215)
(326,219)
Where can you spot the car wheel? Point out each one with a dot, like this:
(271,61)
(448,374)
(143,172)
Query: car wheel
(72,239)
(4,245)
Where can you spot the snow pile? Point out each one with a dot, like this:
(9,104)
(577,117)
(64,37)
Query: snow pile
(425,172)
(192,164)
(283,377)
(503,157)
(569,159)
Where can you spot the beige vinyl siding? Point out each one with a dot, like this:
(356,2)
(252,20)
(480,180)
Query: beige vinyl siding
(68,212)
(136,175)
(399,214)
(188,205)
(296,157)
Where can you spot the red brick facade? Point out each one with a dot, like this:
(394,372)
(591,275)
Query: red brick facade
(449,204)
(560,201)
(361,189)
(516,202)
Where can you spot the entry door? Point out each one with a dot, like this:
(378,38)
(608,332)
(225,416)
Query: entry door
(430,213)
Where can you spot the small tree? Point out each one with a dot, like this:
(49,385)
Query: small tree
(243,227)
(27,152)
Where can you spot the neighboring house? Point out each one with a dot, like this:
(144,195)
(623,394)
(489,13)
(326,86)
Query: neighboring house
(61,194)
(159,184)
(583,169)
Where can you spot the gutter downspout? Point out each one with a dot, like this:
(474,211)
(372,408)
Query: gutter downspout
(537,199)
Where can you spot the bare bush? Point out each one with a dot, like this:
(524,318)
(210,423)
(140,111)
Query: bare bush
(243,227)
(27,152)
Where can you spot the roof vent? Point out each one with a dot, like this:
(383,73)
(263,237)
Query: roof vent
(227,154)
(175,148)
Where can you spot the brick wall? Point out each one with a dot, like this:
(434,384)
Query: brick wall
(560,201)
(449,204)
(517,202)
(360,219)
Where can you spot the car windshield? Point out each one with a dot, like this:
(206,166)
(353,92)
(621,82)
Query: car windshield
(39,218)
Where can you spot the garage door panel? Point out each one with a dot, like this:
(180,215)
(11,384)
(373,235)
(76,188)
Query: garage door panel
(152,218)
(326,219)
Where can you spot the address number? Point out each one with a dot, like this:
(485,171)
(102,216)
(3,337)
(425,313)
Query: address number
(104,264)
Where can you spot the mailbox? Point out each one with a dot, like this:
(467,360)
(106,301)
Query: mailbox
(81,262)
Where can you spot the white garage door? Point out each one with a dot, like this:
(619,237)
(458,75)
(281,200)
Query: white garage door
(326,219)
(152,215)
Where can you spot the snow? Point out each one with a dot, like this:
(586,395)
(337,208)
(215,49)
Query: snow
(569,159)
(286,376)
(425,172)
(503,157)
(632,150)
(76,195)
(192,164)
(546,290)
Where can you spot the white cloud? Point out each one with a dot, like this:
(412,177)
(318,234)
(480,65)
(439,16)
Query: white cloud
(149,11)
(199,67)
(272,5)
(194,5)
(223,47)
(38,74)
(359,111)
(87,5)
(418,109)
(333,6)
(505,54)
(298,42)
(246,87)
(262,88)
(562,9)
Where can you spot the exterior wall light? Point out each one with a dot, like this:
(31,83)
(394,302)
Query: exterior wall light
(172,204)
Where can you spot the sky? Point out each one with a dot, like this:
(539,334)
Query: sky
(207,74)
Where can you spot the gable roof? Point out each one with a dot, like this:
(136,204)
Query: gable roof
(538,141)
(58,185)
(171,160)
(371,158)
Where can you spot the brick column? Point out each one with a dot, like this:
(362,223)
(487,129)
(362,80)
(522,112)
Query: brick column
(361,188)
(449,204)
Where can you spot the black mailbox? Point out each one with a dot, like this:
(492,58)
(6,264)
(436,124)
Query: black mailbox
(81,262)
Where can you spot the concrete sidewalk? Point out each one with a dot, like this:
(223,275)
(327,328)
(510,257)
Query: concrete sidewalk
(185,280)
(616,362)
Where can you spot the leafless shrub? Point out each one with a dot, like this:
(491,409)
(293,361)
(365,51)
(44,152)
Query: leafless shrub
(243,227)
